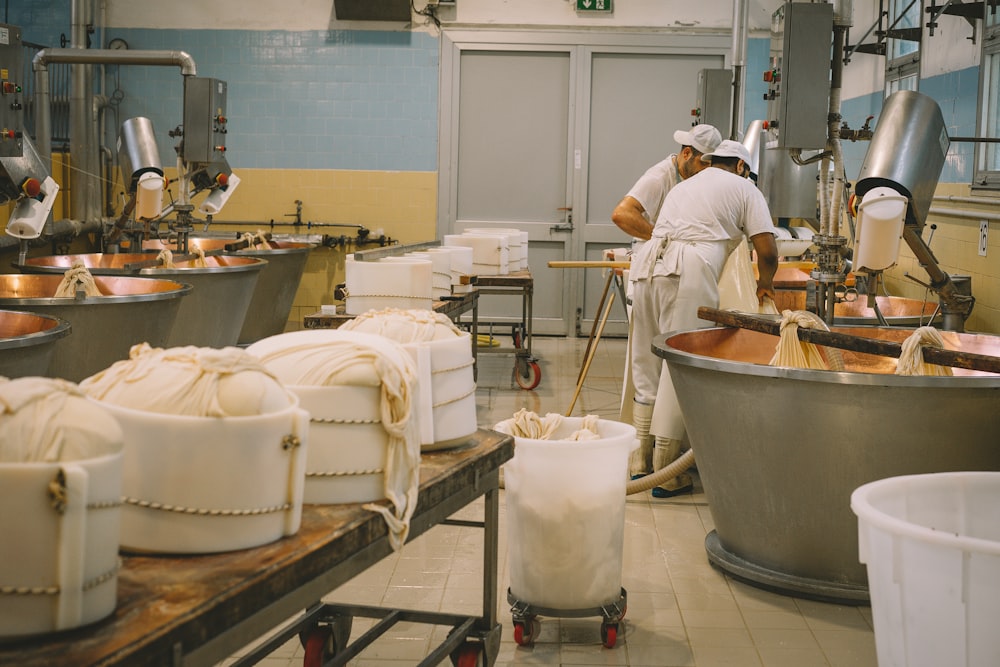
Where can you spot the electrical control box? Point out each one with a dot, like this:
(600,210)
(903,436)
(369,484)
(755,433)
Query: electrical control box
(715,99)
(798,82)
(11,92)
(205,121)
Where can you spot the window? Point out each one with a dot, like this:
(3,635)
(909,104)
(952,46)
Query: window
(986,174)
(902,61)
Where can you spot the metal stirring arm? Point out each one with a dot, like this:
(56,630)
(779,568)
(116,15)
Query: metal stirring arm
(955,307)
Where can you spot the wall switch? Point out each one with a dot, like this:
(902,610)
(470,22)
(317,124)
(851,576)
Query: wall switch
(984,231)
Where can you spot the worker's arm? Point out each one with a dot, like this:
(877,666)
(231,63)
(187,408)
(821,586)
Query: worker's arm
(628,215)
(767,264)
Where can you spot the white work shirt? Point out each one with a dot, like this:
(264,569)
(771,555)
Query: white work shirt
(709,212)
(653,186)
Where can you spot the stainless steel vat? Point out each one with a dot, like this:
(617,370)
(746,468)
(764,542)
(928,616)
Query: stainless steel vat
(272,299)
(27,342)
(132,310)
(898,311)
(780,450)
(211,316)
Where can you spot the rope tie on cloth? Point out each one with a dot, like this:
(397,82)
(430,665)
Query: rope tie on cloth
(167,257)
(911,358)
(793,353)
(526,424)
(199,257)
(258,239)
(78,277)
(187,380)
(402,464)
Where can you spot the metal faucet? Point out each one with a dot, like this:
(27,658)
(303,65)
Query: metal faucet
(298,212)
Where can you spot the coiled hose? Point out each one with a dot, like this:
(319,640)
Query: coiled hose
(647,482)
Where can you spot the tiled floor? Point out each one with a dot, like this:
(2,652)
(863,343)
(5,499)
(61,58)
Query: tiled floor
(682,612)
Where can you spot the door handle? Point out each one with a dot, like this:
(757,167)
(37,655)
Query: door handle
(564,226)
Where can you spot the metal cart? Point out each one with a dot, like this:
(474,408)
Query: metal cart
(198,610)
(527,373)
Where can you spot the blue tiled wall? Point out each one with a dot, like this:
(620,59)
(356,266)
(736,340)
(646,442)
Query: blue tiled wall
(957,93)
(758,60)
(364,100)
(368,100)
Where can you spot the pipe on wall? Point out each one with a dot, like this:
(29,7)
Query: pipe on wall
(43,118)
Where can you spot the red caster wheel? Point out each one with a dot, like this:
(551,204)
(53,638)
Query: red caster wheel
(468,655)
(524,631)
(318,645)
(528,376)
(609,634)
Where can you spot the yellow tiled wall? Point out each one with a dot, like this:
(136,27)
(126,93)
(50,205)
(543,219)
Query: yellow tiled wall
(955,244)
(403,205)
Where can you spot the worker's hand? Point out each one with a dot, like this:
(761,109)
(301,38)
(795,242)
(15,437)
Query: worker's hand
(764,292)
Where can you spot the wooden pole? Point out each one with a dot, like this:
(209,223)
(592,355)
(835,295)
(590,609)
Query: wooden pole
(590,356)
(593,327)
(932,355)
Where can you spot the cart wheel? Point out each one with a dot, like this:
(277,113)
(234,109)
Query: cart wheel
(525,631)
(469,654)
(318,645)
(518,337)
(531,376)
(609,634)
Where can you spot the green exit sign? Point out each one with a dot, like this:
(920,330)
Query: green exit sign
(593,6)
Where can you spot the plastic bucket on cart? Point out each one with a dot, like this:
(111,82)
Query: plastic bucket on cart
(932,547)
(566,516)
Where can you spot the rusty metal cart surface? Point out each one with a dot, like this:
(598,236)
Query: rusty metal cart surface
(198,610)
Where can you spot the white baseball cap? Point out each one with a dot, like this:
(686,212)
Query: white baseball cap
(703,138)
(729,148)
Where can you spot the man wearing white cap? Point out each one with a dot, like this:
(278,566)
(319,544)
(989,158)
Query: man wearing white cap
(701,221)
(635,215)
(637,211)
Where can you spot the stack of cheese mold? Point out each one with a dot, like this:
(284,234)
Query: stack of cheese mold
(215,449)
(60,490)
(440,270)
(490,252)
(443,357)
(361,391)
(390,282)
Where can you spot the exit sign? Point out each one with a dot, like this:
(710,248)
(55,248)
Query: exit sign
(593,6)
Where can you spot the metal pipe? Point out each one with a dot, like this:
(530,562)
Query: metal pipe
(985,201)
(79,90)
(60,228)
(836,77)
(741,10)
(955,307)
(959,213)
(43,117)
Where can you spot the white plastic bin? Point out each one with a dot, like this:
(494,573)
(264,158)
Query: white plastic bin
(566,516)
(932,547)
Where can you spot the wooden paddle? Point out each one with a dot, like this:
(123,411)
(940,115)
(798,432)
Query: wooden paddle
(932,355)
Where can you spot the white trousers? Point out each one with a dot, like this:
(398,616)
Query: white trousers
(663,304)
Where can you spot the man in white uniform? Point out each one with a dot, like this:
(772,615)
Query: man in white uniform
(701,221)
(635,215)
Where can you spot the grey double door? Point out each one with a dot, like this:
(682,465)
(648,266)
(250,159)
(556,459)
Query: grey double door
(545,133)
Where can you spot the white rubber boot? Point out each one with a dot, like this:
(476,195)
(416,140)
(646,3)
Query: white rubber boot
(641,460)
(665,452)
